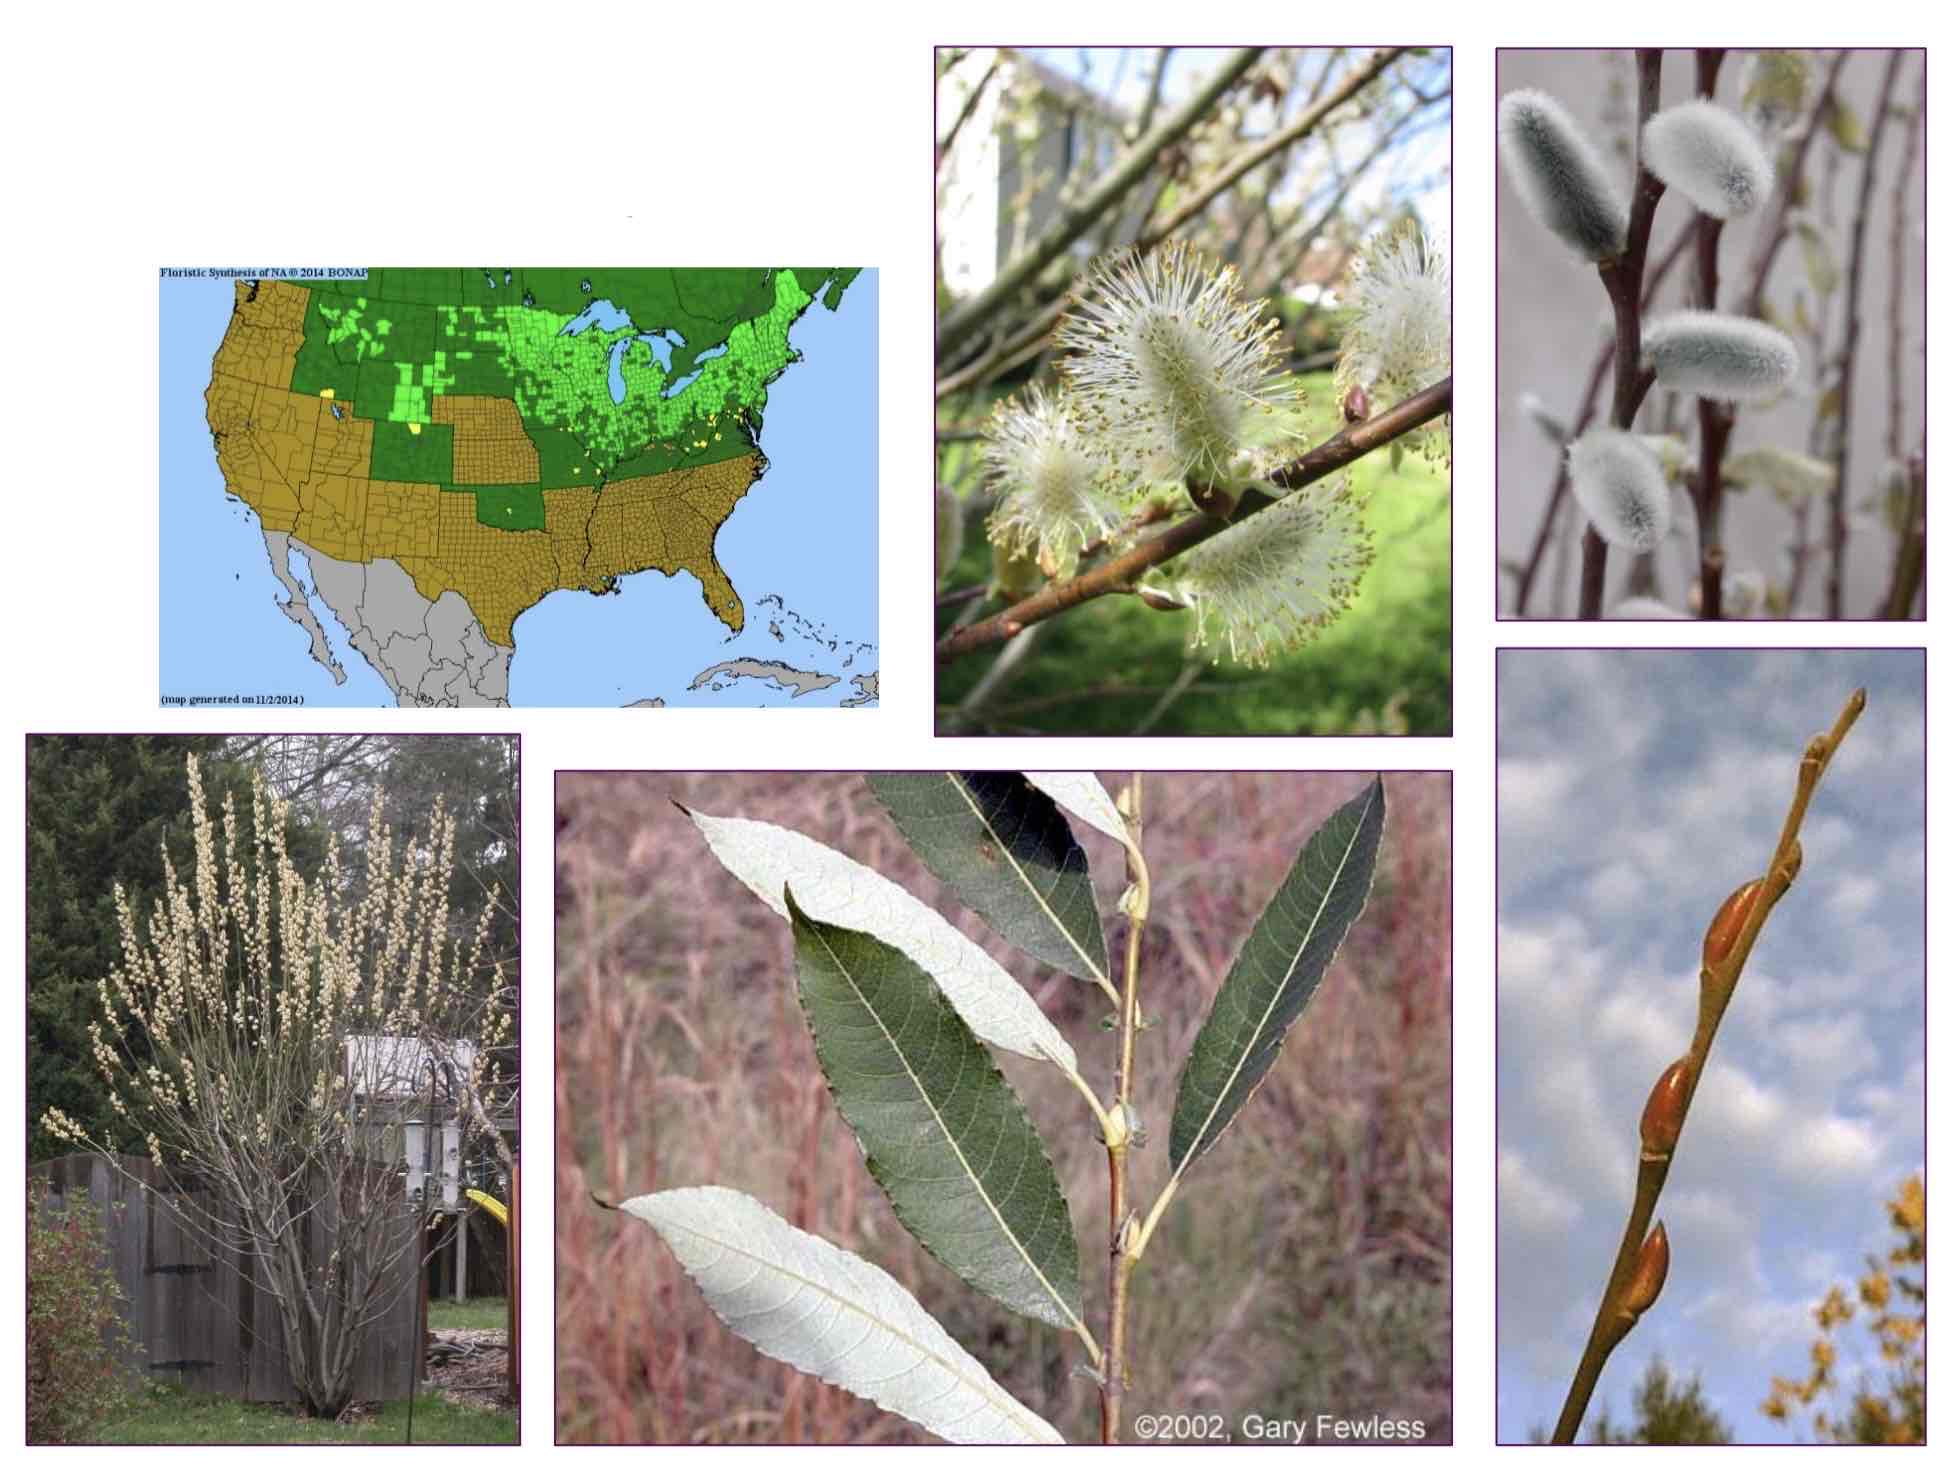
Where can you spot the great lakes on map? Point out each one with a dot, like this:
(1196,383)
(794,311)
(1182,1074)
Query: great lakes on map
(429,454)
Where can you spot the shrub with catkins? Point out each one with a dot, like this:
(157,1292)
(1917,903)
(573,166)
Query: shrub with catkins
(1560,175)
(1621,487)
(1274,580)
(1053,483)
(1716,355)
(1169,363)
(1711,156)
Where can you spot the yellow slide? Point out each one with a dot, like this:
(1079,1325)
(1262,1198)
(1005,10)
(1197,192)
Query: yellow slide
(491,1203)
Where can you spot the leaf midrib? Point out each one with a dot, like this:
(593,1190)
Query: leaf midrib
(959,1153)
(1238,1066)
(1005,851)
(987,1389)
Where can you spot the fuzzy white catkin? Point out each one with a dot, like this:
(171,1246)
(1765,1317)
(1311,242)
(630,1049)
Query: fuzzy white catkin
(1711,156)
(1620,486)
(1718,356)
(1559,174)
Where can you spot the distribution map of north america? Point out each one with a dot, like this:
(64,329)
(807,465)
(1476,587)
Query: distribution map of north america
(451,447)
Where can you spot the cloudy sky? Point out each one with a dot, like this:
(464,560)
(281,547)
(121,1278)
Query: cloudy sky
(1635,790)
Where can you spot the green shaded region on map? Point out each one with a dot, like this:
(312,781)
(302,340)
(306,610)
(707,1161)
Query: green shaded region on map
(465,422)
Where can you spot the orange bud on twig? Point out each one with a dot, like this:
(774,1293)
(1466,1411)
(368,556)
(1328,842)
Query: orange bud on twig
(1649,1272)
(1666,1110)
(1727,925)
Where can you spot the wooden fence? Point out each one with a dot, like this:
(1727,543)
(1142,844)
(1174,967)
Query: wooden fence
(209,1324)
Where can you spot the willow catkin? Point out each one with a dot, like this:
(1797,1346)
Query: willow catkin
(1560,175)
(1621,488)
(1714,355)
(1711,156)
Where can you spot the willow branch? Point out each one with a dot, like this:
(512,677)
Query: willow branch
(1730,940)
(1717,419)
(1118,1132)
(1772,239)
(1120,573)
(1284,138)
(1624,276)
(1074,220)
(1847,363)
(1587,409)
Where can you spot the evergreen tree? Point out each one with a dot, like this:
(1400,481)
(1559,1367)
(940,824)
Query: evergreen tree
(1666,1411)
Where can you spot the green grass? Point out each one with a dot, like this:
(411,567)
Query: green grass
(1104,668)
(477,1312)
(168,1415)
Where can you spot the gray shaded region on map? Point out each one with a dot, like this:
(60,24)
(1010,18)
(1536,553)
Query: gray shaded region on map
(798,681)
(646,704)
(866,690)
(278,545)
(432,654)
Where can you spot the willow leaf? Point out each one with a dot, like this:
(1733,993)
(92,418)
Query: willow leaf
(942,1132)
(834,1315)
(1008,853)
(839,890)
(1086,797)
(1276,974)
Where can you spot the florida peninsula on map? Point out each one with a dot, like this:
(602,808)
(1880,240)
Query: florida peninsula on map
(445,449)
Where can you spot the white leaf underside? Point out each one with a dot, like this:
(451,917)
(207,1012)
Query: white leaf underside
(1081,794)
(839,890)
(833,1315)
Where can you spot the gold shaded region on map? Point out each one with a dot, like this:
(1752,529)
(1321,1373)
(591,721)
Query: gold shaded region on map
(306,470)
(491,445)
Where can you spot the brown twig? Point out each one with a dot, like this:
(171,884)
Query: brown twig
(1122,1261)
(1072,221)
(1847,363)
(1280,140)
(1771,240)
(1624,277)
(1587,409)
(1717,419)
(1730,939)
(1908,562)
(1120,573)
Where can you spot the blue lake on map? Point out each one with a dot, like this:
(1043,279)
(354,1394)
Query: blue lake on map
(806,531)
(221,630)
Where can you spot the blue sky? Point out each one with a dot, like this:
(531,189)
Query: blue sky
(1635,790)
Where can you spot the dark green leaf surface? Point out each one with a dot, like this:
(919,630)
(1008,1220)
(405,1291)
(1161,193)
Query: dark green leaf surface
(1007,851)
(943,1133)
(1276,973)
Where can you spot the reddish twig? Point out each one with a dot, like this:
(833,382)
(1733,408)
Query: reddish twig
(1847,363)
(1717,419)
(1587,409)
(1624,276)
